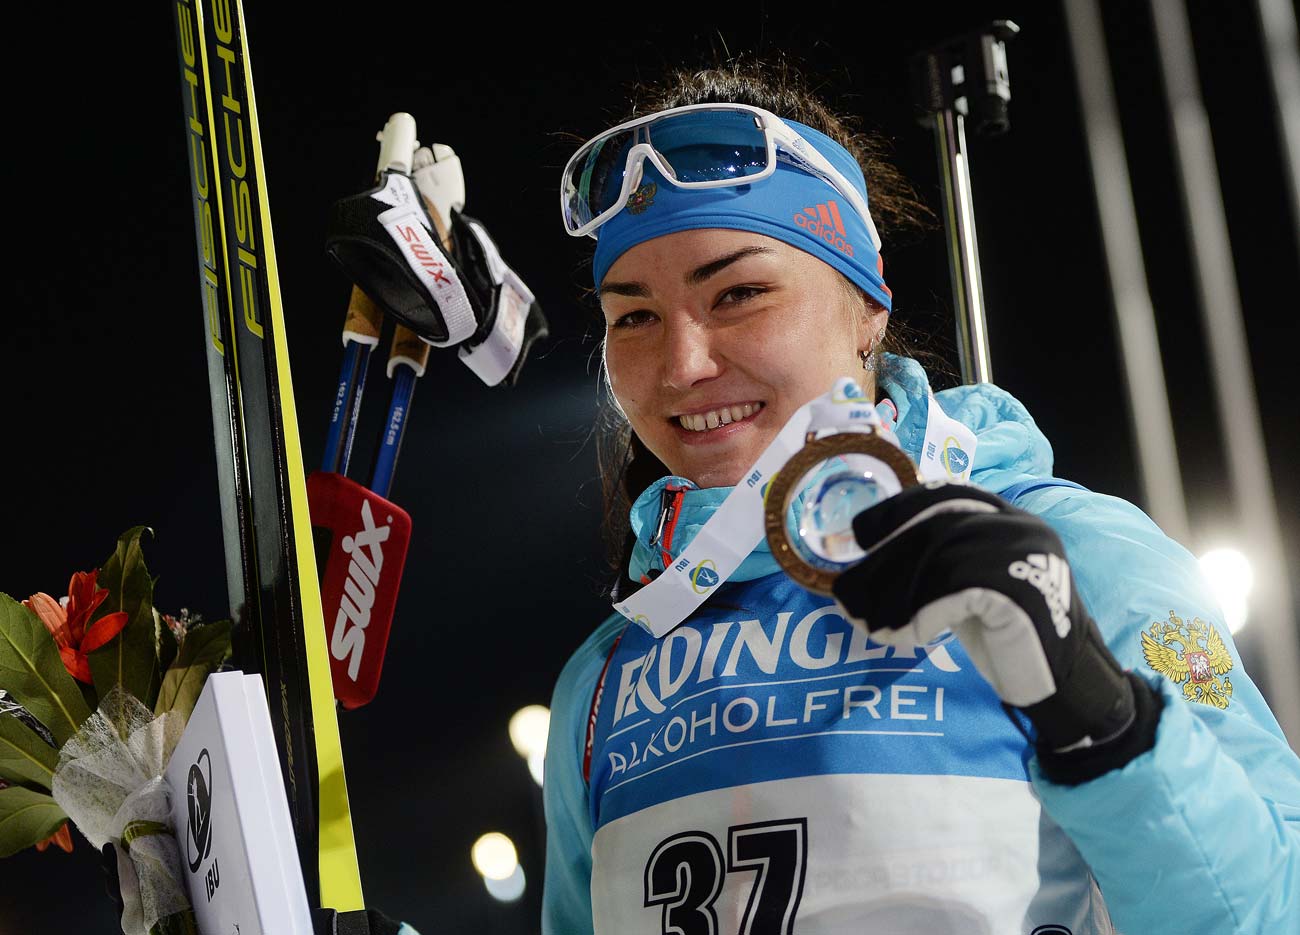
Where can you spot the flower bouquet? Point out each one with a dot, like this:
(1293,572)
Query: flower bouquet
(95,690)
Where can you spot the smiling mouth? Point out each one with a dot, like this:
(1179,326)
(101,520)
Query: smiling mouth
(716,418)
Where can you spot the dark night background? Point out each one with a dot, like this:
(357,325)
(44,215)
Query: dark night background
(107,419)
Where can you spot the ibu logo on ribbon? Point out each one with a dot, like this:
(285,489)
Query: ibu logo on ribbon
(847,391)
(948,451)
(954,458)
(704,576)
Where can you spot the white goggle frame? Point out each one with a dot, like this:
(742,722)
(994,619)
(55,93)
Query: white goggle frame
(778,135)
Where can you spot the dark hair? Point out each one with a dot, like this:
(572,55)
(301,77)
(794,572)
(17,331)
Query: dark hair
(626,466)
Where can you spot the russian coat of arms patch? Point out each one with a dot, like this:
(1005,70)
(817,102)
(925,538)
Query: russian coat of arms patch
(642,198)
(1192,655)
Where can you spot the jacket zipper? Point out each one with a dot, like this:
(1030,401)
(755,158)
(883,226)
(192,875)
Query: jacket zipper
(670,507)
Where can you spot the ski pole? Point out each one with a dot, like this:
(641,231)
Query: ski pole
(364,321)
(959,78)
(406,363)
(438,176)
(360,335)
(361,538)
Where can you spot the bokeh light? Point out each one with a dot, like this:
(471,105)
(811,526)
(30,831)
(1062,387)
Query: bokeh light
(528,730)
(1231,578)
(509,889)
(494,856)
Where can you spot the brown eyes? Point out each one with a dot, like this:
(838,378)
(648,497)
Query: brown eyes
(741,294)
(736,295)
(633,319)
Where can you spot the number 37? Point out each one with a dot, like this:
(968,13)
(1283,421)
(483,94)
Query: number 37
(685,872)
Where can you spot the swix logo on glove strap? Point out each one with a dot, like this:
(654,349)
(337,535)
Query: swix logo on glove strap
(434,267)
(423,255)
(408,224)
(1050,575)
(368,539)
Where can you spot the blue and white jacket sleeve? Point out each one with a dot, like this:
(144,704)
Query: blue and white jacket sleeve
(1202,832)
(566,896)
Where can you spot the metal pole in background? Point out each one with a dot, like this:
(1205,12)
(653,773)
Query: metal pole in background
(1282,48)
(1243,434)
(965,76)
(1148,397)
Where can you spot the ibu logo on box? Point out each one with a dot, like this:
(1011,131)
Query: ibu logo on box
(231,815)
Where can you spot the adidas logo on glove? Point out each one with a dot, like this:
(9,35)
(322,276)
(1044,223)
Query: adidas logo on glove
(1050,575)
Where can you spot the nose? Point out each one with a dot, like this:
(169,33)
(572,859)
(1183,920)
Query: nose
(689,354)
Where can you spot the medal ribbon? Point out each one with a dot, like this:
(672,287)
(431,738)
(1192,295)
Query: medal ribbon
(737,527)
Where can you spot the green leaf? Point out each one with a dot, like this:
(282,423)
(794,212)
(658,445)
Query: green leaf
(131,657)
(32,671)
(204,649)
(25,757)
(88,694)
(25,818)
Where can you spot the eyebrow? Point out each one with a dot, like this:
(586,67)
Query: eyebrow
(693,278)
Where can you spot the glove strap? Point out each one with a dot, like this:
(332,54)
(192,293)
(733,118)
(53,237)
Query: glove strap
(387,244)
(497,350)
(434,272)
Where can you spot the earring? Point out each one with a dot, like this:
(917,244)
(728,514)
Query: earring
(871,358)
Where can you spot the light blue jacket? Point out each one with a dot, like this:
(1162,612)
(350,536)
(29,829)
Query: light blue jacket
(1199,835)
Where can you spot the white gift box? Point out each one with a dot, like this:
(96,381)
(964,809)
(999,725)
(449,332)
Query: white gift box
(233,830)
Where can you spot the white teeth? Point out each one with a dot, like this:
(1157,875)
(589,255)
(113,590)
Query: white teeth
(702,422)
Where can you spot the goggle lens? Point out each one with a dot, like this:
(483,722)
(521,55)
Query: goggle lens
(699,146)
(706,146)
(595,181)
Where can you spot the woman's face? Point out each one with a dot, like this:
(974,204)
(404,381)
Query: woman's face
(714,338)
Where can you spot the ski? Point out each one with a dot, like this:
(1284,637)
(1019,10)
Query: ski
(270,564)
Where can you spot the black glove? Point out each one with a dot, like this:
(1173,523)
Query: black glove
(355,922)
(386,242)
(954,557)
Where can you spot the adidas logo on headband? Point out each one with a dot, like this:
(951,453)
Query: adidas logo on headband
(824,223)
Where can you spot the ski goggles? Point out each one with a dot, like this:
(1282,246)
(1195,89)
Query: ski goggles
(699,146)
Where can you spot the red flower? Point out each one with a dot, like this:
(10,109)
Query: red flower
(68,624)
(62,837)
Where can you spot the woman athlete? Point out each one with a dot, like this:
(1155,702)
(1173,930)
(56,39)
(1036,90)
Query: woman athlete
(1021,713)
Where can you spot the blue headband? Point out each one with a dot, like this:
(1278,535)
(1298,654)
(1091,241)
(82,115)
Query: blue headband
(790,205)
